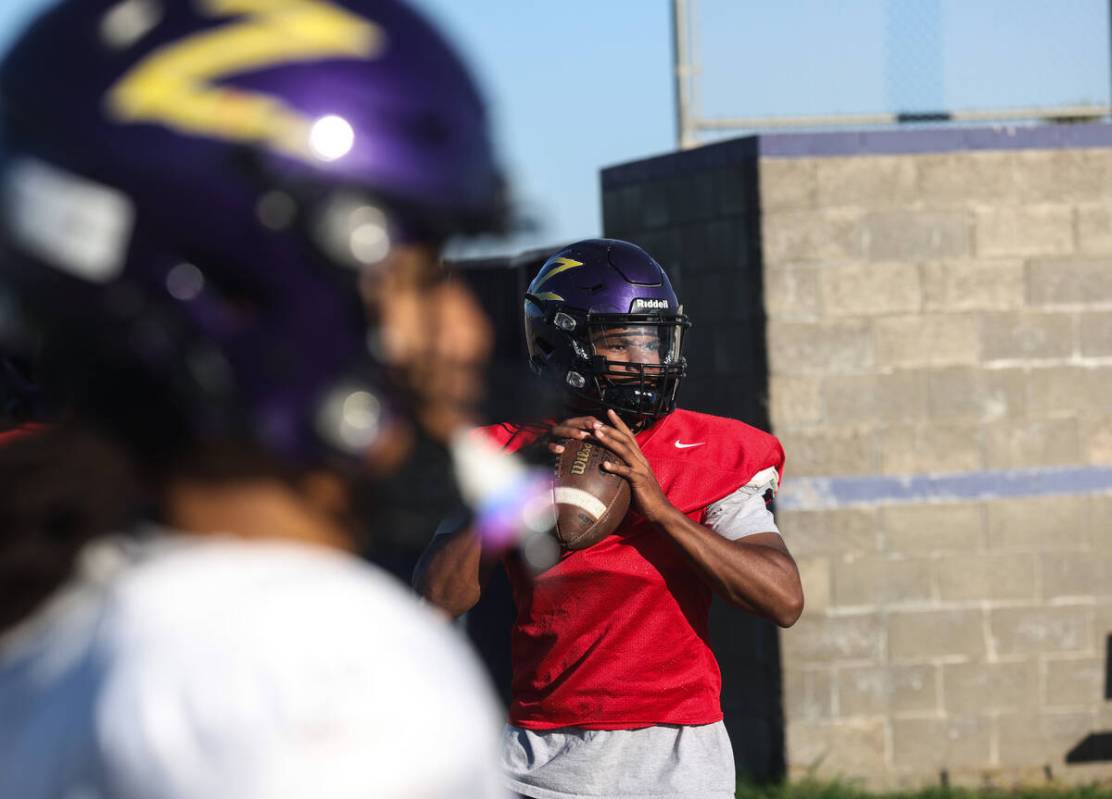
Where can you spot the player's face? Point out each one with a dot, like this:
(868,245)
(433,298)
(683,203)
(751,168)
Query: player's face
(627,345)
(433,334)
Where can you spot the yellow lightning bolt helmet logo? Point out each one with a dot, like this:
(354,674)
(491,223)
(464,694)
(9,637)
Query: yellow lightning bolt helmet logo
(560,264)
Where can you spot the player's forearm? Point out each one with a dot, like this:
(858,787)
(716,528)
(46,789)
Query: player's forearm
(759,578)
(448,573)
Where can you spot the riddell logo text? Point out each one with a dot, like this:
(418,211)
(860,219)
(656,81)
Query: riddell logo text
(648,305)
(579,466)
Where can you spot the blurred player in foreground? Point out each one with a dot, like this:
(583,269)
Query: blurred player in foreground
(201,199)
(615,688)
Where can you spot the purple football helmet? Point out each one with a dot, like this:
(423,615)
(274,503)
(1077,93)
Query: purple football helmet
(602,320)
(197,188)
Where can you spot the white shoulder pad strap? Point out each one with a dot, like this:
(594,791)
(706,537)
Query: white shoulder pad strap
(764,481)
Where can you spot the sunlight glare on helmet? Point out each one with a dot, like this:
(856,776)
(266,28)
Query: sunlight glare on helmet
(185,282)
(350,417)
(369,240)
(360,417)
(331,137)
(354,232)
(129,21)
(276,210)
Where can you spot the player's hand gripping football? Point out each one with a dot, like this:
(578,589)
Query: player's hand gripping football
(648,497)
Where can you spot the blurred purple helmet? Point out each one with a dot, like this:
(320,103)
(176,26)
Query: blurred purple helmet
(602,320)
(192,189)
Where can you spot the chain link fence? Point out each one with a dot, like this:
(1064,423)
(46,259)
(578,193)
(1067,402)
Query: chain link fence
(751,64)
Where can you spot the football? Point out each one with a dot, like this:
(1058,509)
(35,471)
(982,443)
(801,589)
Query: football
(590,502)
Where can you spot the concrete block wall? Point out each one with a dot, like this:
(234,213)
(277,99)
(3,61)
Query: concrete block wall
(938,312)
(934,314)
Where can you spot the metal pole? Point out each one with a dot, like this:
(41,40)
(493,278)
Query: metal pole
(682,69)
(693,72)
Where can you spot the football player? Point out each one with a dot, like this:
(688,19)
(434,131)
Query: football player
(615,689)
(220,219)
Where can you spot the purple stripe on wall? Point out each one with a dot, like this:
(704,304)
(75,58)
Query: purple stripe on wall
(825,493)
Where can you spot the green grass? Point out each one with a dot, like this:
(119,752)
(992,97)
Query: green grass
(836,790)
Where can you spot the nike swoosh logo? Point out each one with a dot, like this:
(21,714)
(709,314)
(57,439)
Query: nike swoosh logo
(685,446)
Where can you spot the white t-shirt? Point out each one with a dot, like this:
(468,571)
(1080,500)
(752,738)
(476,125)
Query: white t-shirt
(190,668)
(745,512)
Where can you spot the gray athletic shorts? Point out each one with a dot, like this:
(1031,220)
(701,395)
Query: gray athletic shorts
(662,762)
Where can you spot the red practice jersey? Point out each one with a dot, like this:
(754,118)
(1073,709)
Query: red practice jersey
(615,636)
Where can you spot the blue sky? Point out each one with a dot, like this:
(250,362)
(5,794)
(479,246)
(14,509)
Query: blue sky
(580,84)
